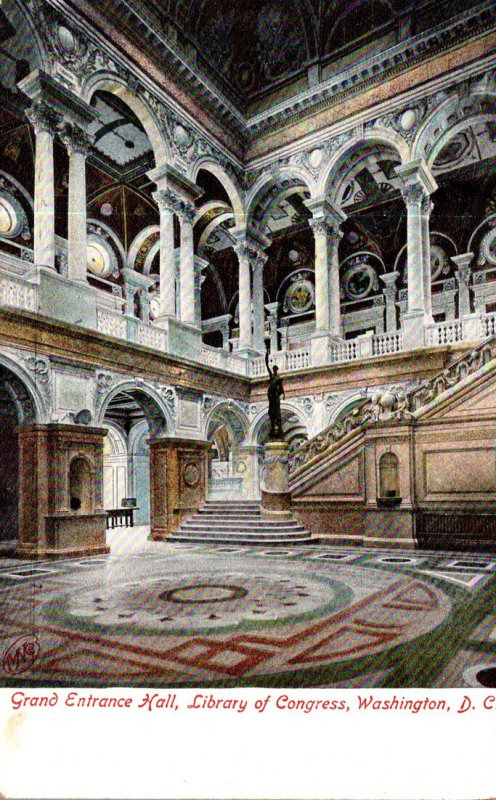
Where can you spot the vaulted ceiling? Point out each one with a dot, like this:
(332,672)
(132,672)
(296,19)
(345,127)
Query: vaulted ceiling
(252,47)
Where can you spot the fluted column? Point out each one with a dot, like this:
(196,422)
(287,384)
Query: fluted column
(45,123)
(187,264)
(258,260)
(166,201)
(78,144)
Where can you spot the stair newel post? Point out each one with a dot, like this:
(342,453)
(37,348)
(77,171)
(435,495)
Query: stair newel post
(274,486)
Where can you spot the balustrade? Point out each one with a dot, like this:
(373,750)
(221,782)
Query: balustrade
(442,333)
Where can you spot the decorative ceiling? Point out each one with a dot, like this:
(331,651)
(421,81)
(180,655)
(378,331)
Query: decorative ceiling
(251,47)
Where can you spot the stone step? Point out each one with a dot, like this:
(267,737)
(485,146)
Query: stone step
(242,539)
(239,522)
(223,522)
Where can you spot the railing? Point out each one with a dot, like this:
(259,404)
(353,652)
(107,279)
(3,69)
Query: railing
(16,293)
(442,333)
(111,323)
(150,336)
(220,359)
(488,323)
(385,343)
(286,361)
(344,351)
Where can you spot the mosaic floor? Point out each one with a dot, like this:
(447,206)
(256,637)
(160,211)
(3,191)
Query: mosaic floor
(154,614)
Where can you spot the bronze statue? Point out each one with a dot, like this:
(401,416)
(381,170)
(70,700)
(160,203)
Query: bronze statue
(274,393)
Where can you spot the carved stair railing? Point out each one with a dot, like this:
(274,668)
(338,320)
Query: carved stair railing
(388,408)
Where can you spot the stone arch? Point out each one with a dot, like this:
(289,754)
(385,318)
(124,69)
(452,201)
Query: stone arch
(289,412)
(342,408)
(115,84)
(154,407)
(454,110)
(30,404)
(151,231)
(268,180)
(227,413)
(452,131)
(115,441)
(20,14)
(230,185)
(352,150)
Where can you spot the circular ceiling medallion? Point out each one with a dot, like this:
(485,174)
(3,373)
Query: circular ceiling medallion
(106,210)
(12,216)
(439,260)
(300,296)
(359,280)
(100,257)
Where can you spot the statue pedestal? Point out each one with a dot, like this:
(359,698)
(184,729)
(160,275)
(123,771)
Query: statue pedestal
(274,486)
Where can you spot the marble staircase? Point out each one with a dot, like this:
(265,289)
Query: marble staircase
(238,522)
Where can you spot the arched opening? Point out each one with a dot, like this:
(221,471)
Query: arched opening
(80,496)
(389,480)
(133,419)
(16,407)
(229,464)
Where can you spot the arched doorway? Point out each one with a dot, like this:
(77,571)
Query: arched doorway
(16,407)
(229,462)
(133,418)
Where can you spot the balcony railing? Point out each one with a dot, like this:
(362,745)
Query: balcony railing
(19,288)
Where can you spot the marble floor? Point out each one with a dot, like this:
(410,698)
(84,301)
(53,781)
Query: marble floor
(160,614)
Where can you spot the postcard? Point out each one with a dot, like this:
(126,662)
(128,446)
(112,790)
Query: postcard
(247,405)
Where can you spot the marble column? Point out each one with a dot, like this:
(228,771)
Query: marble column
(463,274)
(389,281)
(334,236)
(166,202)
(273,310)
(78,144)
(417,186)
(325,223)
(187,264)
(258,260)
(44,122)
(320,230)
(426,208)
(244,297)
(201,266)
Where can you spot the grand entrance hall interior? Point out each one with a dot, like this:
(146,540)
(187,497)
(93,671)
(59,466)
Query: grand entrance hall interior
(192,193)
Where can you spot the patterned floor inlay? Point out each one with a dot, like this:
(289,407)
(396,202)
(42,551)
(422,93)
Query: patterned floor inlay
(169,615)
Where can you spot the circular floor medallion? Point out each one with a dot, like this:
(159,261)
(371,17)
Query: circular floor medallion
(198,593)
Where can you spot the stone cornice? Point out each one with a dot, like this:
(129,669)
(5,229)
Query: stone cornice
(378,67)
(371,111)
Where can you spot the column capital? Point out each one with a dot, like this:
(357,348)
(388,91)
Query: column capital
(76,139)
(166,199)
(323,211)
(166,177)
(462,261)
(43,118)
(416,176)
(186,212)
(389,279)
